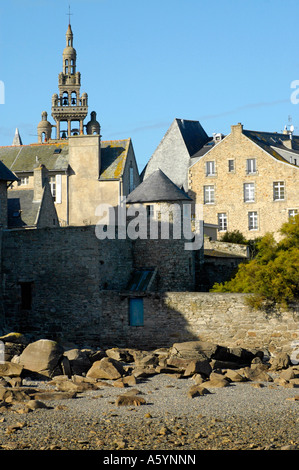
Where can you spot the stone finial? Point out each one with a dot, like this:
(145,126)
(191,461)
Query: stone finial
(17,138)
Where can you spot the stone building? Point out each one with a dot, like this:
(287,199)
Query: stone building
(84,171)
(248,182)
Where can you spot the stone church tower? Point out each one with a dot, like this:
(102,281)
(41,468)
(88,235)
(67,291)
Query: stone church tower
(69,108)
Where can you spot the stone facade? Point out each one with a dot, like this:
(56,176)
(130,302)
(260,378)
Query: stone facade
(271,191)
(171,317)
(55,285)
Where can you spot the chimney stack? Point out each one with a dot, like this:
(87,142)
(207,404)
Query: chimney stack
(40,179)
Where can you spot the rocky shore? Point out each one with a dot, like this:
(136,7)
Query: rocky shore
(192,396)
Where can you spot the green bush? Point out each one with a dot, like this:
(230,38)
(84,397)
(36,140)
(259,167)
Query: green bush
(273,275)
(234,237)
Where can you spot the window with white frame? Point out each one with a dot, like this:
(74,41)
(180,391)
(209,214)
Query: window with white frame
(209,194)
(278,190)
(249,192)
(222,222)
(292,213)
(252,221)
(251,166)
(24,181)
(210,168)
(52,182)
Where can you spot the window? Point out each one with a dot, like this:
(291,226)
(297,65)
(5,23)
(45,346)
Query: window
(26,295)
(209,194)
(150,210)
(249,192)
(222,222)
(24,180)
(292,213)
(136,312)
(210,169)
(251,166)
(231,166)
(278,191)
(252,221)
(52,183)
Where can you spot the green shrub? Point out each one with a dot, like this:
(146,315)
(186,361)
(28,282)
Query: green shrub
(273,275)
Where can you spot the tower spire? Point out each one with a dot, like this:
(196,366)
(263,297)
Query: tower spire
(69,15)
(69,109)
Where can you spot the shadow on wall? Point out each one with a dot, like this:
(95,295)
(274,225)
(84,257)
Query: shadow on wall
(145,321)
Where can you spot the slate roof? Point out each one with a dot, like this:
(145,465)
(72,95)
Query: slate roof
(55,156)
(24,158)
(193,134)
(113,158)
(6,174)
(21,209)
(173,155)
(276,144)
(157,187)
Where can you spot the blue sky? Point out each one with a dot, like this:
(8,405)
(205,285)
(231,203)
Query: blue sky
(145,63)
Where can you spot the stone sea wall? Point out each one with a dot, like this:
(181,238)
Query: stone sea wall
(185,316)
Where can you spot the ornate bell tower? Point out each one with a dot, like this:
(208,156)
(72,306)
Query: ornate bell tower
(69,109)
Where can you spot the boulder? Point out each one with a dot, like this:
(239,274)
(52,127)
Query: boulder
(197,391)
(129,400)
(70,386)
(106,368)
(18,338)
(234,376)
(145,359)
(198,350)
(258,373)
(280,361)
(120,354)
(42,357)
(287,374)
(35,405)
(9,369)
(202,367)
(217,380)
(78,360)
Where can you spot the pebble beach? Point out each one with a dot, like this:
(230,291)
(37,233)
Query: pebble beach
(242,416)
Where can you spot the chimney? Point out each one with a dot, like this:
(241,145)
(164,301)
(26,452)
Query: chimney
(237,129)
(40,178)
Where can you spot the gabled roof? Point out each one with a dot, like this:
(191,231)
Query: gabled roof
(157,188)
(55,156)
(113,158)
(22,211)
(6,174)
(173,155)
